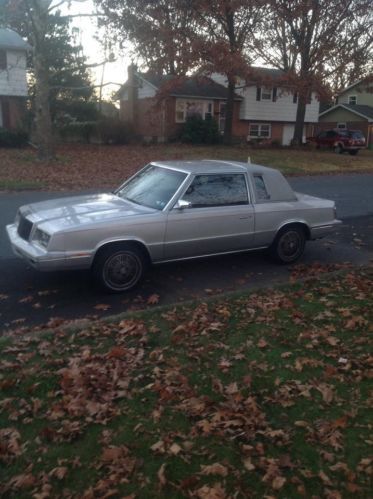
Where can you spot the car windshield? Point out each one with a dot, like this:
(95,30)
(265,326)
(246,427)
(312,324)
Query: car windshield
(356,135)
(152,187)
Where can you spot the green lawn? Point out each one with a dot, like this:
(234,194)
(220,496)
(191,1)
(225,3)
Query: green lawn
(254,395)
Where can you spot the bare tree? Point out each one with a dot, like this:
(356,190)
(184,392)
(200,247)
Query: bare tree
(312,40)
(160,33)
(226,28)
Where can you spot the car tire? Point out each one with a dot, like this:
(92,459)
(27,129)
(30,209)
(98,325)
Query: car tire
(338,149)
(119,268)
(354,152)
(288,245)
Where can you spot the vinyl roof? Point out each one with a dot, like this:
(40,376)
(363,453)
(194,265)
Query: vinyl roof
(213,166)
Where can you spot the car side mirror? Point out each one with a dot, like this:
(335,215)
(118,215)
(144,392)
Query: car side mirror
(181,204)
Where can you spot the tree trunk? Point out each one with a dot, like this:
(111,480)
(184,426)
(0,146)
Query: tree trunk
(43,120)
(229,113)
(299,120)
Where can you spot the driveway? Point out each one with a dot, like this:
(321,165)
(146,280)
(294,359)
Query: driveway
(29,298)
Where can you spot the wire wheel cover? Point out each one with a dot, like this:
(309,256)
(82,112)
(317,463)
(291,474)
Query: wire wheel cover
(122,270)
(290,245)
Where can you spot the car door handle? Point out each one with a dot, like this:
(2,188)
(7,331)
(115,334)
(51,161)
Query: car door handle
(246,217)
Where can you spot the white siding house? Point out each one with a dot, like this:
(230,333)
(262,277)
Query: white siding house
(13,82)
(270,111)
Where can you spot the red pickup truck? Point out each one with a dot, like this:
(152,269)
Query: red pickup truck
(341,140)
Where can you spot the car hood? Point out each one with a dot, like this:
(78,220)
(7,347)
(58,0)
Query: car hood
(82,210)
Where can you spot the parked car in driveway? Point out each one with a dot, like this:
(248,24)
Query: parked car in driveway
(341,140)
(171,210)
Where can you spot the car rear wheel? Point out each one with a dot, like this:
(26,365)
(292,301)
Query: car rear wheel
(338,149)
(289,244)
(119,268)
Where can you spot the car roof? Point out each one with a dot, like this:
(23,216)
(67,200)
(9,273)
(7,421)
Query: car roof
(213,166)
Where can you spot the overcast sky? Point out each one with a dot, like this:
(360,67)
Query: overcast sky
(115,72)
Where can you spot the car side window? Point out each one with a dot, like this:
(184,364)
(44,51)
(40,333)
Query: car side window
(322,135)
(217,190)
(260,188)
(330,134)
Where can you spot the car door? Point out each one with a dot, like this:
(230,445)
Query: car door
(219,218)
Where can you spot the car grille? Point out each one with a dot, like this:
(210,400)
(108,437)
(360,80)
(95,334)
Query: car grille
(24,228)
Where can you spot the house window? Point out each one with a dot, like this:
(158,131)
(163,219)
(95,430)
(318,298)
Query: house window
(209,111)
(257,131)
(266,94)
(352,99)
(187,108)
(341,125)
(3,60)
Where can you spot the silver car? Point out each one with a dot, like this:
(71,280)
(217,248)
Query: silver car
(171,210)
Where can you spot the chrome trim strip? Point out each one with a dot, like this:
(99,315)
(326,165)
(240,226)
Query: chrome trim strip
(210,254)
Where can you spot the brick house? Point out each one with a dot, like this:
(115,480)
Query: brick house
(353,110)
(13,83)
(265,113)
(157,105)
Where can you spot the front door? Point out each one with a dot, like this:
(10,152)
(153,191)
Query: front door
(220,218)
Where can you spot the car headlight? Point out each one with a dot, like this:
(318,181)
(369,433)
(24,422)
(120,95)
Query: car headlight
(41,238)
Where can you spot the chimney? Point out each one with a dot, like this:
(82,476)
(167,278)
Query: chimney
(132,93)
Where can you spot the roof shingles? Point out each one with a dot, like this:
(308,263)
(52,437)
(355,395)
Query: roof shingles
(190,86)
(9,39)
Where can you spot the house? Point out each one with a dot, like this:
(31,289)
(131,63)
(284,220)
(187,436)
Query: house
(268,108)
(353,109)
(156,106)
(266,112)
(13,83)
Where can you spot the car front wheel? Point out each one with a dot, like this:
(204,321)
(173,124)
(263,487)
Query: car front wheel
(119,268)
(338,149)
(289,245)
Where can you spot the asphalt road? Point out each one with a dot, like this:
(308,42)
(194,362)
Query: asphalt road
(30,298)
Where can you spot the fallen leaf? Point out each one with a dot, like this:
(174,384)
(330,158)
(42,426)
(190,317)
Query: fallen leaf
(102,306)
(161,475)
(214,469)
(248,464)
(60,472)
(278,482)
(175,449)
(262,343)
(153,299)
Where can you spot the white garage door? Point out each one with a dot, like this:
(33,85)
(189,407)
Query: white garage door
(288,134)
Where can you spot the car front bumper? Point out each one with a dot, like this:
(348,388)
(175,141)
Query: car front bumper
(36,256)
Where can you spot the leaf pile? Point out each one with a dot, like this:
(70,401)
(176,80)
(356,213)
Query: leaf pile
(260,395)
